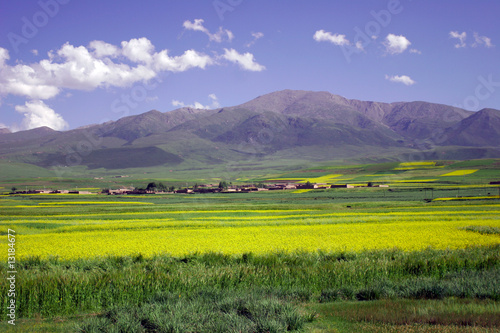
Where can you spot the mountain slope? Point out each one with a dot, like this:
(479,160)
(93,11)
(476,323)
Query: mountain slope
(480,129)
(287,124)
(152,122)
(420,120)
(319,105)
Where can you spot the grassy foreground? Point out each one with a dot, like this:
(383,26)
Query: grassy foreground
(271,293)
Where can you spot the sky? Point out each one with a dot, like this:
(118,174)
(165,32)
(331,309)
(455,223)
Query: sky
(70,63)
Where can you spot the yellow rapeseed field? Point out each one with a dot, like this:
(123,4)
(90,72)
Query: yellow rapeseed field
(417,165)
(302,191)
(459,173)
(420,163)
(236,231)
(409,236)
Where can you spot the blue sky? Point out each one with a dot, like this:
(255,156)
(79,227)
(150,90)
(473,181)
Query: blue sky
(70,63)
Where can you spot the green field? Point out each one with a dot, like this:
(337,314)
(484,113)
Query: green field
(29,177)
(422,255)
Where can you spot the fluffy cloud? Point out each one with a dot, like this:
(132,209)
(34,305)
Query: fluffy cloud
(404,79)
(189,59)
(197,105)
(336,39)
(481,40)
(102,65)
(396,44)
(38,114)
(138,50)
(99,65)
(461,38)
(324,36)
(86,68)
(246,61)
(197,25)
(103,49)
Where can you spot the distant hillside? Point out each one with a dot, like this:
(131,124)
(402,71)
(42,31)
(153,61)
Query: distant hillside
(291,124)
(480,129)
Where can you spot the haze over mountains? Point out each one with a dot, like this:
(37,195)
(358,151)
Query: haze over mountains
(287,125)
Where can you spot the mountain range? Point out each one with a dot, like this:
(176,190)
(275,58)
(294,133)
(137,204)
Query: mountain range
(286,125)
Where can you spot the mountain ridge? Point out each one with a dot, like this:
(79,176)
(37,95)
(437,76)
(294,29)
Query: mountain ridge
(269,127)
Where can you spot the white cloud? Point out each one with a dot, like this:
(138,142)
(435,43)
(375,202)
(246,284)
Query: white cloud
(215,102)
(103,49)
(461,38)
(481,40)
(138,50)
(38,114)
(256,36)
(189,59)
(246,61)
(324,36)
(478,40)
(86,68)
(197,25)
(396,44)
(415,51)
(4,56)
(178,103)
(24,80)
(404,79)
(99,65)
(197,105)
(102,65)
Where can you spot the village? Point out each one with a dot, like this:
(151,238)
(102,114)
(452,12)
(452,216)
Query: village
(222,187)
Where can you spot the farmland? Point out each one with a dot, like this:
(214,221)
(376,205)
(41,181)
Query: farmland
(152,227)
(267,261)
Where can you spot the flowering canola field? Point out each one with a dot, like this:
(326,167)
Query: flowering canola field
(459,173)
(112,229)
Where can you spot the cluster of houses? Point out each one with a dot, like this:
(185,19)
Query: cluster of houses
(209,188)
(51,192)
(214,188)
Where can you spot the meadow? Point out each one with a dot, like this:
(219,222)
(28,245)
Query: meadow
(404,258)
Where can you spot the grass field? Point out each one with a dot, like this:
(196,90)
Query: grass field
(399,259)
(25,176)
